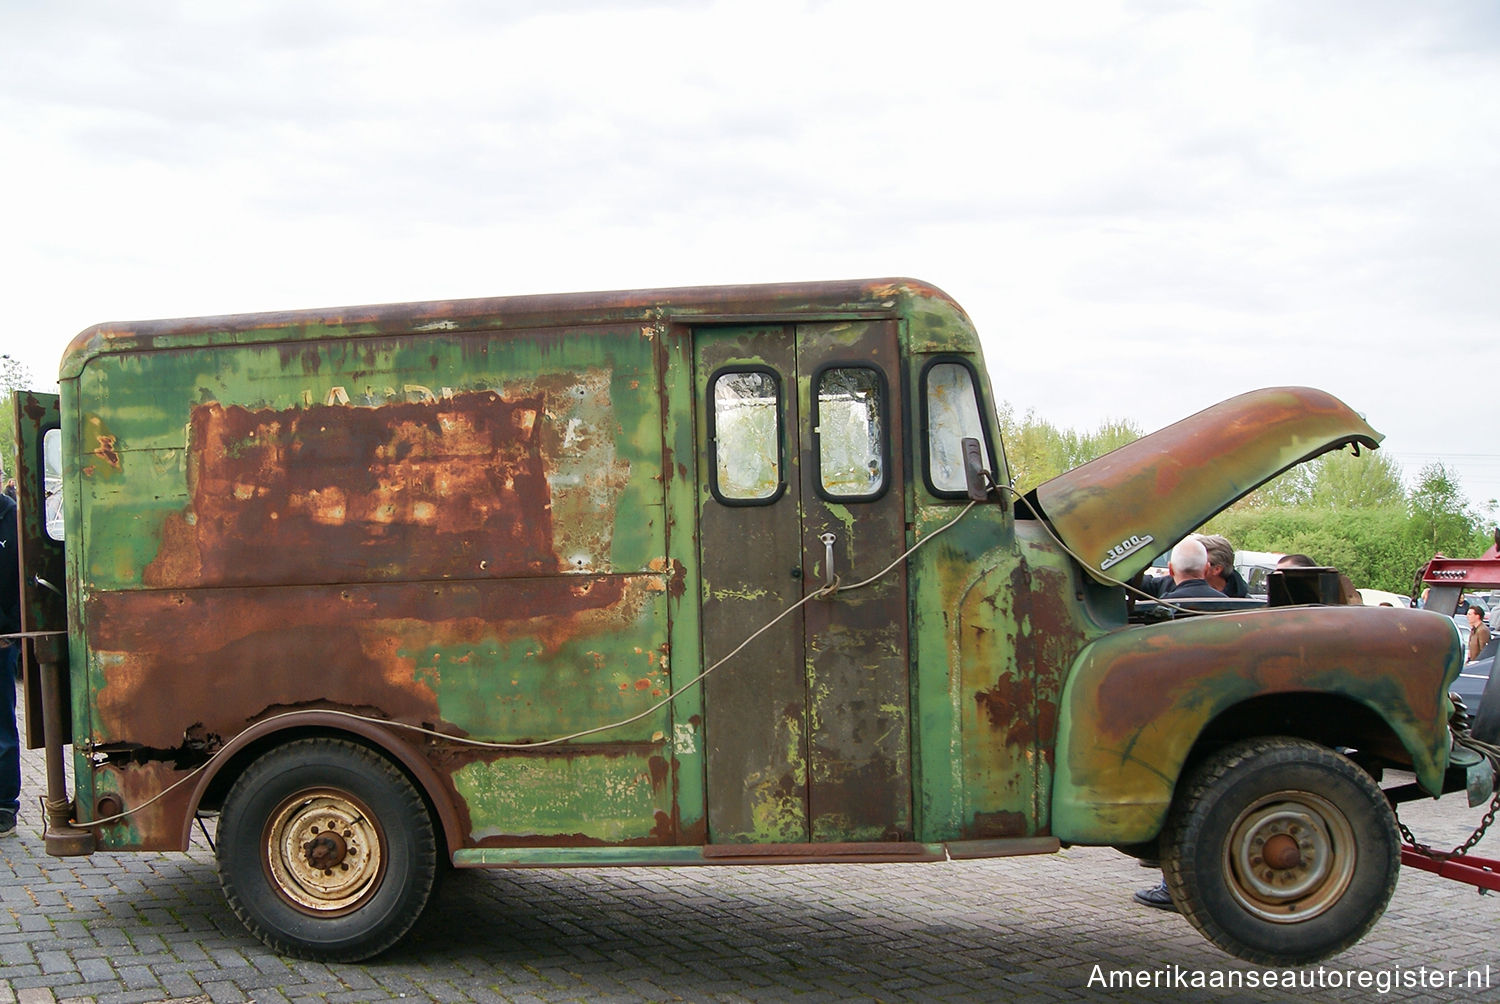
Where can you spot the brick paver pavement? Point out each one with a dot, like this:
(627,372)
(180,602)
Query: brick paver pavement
(153,927)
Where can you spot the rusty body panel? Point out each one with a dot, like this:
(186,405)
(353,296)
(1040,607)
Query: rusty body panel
(1136,701)
(661,577)
(422,486)
(1123,509)
(873,298)
(750,554)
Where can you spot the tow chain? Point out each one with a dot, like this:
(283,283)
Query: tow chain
(1490,752)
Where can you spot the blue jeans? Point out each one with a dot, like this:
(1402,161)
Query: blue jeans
(10,738)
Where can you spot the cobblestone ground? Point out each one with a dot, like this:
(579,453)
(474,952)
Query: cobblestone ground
(153,927)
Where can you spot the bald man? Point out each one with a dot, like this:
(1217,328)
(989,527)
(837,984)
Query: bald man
(1188,567)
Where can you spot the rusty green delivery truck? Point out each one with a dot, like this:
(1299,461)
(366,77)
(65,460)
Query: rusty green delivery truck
(678,577)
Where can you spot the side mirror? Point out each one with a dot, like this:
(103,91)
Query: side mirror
(977,480)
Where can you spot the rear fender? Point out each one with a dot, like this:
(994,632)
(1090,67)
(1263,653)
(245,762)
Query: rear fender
(294,725)
(1136,701)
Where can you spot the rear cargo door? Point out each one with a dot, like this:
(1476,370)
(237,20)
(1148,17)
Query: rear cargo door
(807,728)
(39,532)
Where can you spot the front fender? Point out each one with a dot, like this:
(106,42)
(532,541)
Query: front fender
(1137,700)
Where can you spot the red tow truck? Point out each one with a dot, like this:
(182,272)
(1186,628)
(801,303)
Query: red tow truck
(1446,580)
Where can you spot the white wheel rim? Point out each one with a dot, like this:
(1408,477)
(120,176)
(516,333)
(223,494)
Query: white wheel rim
(1290,856)
(324,851)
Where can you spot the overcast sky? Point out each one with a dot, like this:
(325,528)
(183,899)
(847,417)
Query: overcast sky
(1145,206)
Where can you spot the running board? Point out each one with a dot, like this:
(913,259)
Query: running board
(748,854)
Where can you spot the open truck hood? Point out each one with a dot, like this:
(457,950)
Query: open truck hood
(1121,510)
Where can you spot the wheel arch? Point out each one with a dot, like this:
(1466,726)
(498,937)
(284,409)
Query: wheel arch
(1332,720)
(244,749)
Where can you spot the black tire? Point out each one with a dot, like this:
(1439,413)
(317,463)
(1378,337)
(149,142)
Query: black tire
(1331,832)
(326,851)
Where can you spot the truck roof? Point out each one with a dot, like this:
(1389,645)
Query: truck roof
(770,302)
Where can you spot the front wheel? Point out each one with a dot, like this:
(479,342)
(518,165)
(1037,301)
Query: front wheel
(1281,851)
(326,850)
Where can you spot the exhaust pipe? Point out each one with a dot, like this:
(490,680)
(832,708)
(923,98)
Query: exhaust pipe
(62,838)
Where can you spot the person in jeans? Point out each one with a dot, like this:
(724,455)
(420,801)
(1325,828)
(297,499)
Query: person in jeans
(10,622)
(1188,567)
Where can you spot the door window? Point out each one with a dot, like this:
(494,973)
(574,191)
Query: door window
(746,434)
(52,482)
(849,425)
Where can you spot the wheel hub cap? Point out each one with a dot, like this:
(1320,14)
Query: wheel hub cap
(324,852)
(1290,856)
(1281,852)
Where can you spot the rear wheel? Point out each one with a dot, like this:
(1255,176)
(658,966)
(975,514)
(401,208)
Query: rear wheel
(1281,851)
(326,850)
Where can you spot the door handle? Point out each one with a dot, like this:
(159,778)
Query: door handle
(829,579)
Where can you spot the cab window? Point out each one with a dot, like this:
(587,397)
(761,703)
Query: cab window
(951,401)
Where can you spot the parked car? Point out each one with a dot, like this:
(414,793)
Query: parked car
(1254,566)
(1380,597)
(1471,685)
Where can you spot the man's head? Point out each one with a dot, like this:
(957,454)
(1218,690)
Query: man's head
(1476,615)
(1295,561)
(1189,560)
(1220,558)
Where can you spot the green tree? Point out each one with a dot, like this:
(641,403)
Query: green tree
(1338,480)
(1359,520)
(1372,545)
(14,376)
(1342,480)
(1038,450)
(1441,519)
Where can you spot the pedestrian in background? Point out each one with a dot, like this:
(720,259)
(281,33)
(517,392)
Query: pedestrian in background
(10,623)
(1479,633)
(1221,573)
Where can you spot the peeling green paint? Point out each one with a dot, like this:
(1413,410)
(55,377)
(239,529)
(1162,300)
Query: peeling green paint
(530,796)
